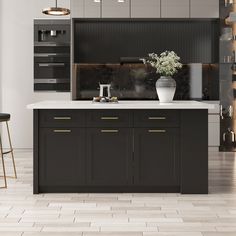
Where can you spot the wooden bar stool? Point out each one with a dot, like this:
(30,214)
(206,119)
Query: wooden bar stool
(4,118)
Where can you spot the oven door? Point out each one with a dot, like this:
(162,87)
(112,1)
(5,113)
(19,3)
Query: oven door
(52,70)
(52,74)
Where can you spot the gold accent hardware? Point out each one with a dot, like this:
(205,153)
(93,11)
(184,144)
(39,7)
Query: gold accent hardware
(62,131)
(62,118)
(109,118)
(109,131)
(157,118)
(157,131)
(2,153)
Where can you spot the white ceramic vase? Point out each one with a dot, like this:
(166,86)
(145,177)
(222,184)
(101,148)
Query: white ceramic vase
(166,87)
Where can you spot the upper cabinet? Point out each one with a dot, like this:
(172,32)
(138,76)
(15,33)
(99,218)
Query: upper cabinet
(137,8)
(86,8)
(145,9)
(116,8)
(204,8)
(77,8)
(175,8)
(40,5)
(92,8)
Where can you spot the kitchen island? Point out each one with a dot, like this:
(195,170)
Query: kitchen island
(132,146)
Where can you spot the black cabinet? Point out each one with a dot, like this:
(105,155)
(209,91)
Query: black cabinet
(156,156)
(120,151)
(109,156)
(61,157)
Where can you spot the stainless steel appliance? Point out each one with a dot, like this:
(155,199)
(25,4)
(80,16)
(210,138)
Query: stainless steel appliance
(52,55)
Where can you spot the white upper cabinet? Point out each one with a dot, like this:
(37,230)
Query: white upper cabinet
(77,8)
(145,9)
(175,8)
(39,5)
(92,8)
(116,8)
(134,8)
(204,8)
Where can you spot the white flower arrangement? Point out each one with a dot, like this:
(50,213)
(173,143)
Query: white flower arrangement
(167,64)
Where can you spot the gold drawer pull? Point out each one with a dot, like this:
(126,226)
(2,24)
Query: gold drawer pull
(109,118)
(62,118)
(62,131)
(157,131)
(157,118)
(109,131)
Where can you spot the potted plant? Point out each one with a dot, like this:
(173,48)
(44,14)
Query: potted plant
(166,64)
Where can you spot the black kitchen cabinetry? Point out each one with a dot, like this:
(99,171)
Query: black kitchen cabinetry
(120,151)
(156,157)
(62,158)
(109,156)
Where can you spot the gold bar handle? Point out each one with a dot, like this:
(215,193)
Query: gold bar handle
(157,118)
(157,131)
(62,131)
(109,118)
(109,131)
(62,118)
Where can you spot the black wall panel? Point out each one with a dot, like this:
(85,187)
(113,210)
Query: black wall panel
(106,41)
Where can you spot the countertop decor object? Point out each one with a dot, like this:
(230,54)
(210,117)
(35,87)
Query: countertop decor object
(105,99)
(56,11)
(166,65)
(105,90)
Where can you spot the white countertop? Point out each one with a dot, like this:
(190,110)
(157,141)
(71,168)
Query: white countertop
(120,105)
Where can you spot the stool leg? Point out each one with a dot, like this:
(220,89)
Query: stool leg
(3,164)
(12,155)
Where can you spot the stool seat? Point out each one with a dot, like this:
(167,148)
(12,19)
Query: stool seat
(4,117)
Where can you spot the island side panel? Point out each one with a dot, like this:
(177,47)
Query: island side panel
(36,152)
(194,151)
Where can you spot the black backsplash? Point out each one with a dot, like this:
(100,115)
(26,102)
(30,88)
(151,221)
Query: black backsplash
(137,81)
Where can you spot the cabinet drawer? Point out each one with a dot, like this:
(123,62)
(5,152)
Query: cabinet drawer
(157,118)
(62,118)
(109,118)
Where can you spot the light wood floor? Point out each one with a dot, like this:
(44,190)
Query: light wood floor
(25,214)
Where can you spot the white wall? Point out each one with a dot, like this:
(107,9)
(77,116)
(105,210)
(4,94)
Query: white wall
(0,58)
(16,66)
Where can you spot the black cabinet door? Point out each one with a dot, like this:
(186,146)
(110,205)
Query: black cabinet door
(62,157)
(156,156)
(109,156)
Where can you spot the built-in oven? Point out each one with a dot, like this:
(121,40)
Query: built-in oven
(52,56)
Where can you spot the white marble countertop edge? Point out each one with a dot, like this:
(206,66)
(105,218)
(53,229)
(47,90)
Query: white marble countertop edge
(83,105)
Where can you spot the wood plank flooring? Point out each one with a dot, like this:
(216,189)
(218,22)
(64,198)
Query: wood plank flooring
(25,214)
